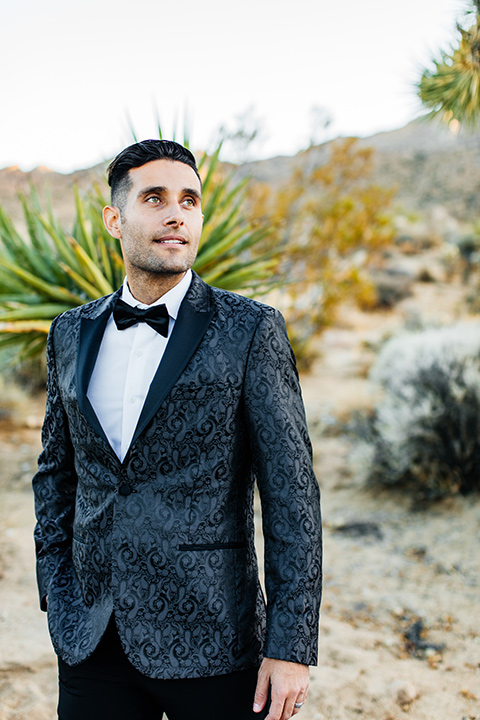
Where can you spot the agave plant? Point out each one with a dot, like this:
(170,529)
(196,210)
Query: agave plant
(451,90)
(52,270)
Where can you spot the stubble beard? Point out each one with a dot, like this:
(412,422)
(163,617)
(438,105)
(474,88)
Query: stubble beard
(138,258)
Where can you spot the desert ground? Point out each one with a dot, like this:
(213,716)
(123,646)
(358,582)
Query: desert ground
(400,634)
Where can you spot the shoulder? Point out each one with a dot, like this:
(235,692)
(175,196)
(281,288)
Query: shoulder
(235,300)
(229,305)
(242,306)
(91,310)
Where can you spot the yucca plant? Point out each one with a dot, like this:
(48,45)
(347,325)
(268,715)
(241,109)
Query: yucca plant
(451,90)
(232,254)
(51,270)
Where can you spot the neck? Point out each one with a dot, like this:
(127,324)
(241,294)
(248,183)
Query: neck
(149,289)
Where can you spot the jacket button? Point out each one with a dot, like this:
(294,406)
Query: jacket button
(125,489)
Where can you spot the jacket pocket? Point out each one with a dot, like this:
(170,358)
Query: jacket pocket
(214,546)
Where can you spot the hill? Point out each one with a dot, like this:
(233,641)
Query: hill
(429,165)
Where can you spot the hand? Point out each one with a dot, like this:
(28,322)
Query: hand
(289,685)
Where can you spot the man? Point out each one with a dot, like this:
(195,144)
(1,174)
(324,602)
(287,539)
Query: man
(166,400)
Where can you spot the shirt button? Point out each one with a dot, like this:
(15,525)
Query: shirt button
(125,489)
(131,400)
(139,353)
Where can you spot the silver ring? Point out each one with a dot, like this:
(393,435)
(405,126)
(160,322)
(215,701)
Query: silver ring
(298,705)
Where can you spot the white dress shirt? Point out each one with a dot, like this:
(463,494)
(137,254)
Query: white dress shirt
(126,364)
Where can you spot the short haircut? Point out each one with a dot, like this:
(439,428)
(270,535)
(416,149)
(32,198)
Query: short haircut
(139,154)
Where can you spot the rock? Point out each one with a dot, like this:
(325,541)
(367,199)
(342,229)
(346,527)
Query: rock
(33,422)
(360,529)
(404,692)
(416,644)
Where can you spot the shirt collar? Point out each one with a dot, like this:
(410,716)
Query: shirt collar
(172,299)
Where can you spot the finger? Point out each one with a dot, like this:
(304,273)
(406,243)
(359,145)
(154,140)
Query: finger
(300,700)
(289,708)
(261,691)
(276,711)
(282,706)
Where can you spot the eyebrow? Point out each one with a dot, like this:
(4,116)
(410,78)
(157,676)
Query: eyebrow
(159,189)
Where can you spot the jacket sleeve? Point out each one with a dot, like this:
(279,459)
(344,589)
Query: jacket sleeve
(289,494)
(54,485)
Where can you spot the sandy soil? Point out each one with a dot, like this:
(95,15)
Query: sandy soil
(405,567)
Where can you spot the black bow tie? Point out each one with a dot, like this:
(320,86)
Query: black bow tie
(125,316)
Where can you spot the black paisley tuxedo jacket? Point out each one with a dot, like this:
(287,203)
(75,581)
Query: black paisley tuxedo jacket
(164,539)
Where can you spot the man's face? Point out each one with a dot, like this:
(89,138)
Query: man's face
(161,223)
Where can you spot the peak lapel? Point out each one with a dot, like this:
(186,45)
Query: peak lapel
(92,327)
(193,319)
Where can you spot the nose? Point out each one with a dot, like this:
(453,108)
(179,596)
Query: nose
(174,215)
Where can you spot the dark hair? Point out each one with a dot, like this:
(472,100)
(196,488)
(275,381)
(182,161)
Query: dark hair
(139,154)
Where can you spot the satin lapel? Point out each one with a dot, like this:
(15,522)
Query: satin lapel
(91,333)
(190,327)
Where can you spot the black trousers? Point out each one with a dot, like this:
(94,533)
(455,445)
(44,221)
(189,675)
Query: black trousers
(108,687)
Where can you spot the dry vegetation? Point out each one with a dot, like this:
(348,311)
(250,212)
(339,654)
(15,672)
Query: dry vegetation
(400,636)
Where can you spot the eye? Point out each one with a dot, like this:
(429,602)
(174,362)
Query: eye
(190,202)
(153,200)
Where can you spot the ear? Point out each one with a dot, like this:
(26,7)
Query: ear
(111,218)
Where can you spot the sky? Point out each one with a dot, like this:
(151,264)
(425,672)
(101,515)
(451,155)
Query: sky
(75,77)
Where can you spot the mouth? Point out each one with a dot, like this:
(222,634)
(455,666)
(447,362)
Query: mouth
(170,240)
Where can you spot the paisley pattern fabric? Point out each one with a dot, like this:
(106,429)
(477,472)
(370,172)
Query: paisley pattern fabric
(165,539)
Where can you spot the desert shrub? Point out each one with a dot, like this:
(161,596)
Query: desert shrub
(424,435)
(425,275)
(417,241)
(15,398)
(390,287)
(332,223)
(468,255)
(450,259)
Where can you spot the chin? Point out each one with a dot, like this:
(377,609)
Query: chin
(170,269)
